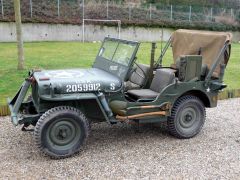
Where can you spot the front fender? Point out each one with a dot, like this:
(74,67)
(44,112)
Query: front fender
(101,100)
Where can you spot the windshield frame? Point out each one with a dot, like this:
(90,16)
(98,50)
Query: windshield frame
(119,42)
(107,64)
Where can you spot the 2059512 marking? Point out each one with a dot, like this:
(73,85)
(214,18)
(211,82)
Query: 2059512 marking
(82,87)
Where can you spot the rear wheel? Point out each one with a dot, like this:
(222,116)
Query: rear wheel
(61,131)
(187,117)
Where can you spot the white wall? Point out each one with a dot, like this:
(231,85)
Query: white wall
(41,32)
(63,32)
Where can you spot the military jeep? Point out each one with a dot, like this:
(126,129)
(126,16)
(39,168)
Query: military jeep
(117,89)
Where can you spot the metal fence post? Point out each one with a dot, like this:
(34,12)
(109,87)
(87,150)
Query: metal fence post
(58,8)
(83,9)
(107,9)
(171,16)
(119,29)
(190,13)
(83,16)
(129,12)
(150,9)
(232,15)
(31,13)
(211,14)
(2,9)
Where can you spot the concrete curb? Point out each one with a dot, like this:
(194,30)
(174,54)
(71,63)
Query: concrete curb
(231,93)
(4,110)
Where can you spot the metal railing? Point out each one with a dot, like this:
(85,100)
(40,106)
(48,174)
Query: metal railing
(75,10)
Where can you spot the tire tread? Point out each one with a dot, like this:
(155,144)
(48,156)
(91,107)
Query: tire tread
(171,119)
(47,116)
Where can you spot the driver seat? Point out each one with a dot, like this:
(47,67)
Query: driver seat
(138,78)
(162,78)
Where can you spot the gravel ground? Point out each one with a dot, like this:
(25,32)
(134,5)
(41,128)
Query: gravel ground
(120,152)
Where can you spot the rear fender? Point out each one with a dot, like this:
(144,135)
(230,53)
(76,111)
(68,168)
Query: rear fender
(177,90)
(207,100)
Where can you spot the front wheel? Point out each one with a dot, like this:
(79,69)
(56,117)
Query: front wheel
(187,117)
(61,131)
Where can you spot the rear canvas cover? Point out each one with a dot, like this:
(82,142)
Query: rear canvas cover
(189,42)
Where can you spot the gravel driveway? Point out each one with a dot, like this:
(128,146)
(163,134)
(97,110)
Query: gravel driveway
(120,152)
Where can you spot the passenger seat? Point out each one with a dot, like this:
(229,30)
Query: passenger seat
(163,77)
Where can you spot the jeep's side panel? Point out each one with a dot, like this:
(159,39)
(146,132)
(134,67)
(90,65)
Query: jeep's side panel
(171,93)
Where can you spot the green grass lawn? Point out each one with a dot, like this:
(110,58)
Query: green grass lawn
(61,55)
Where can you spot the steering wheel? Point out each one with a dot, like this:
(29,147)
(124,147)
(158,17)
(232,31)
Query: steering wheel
(136,69)
(141,75)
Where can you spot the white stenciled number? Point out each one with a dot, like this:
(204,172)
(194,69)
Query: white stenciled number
(84,87)
(69,87)
(74,88)
(79,87)
(91,87)
(97,86)
(112,86)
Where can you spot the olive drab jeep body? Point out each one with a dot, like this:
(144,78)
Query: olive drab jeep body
(118,89)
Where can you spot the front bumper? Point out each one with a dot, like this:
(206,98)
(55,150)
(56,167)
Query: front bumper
(14,117)
(15,104)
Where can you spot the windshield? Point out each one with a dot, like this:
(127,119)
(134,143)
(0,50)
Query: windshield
(116,51)
(116,56)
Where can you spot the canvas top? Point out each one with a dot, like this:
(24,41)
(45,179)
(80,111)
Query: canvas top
(189,42)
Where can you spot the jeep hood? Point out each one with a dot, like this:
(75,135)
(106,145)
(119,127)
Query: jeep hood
(76,81)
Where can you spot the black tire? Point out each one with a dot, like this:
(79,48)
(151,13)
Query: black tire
(187,117)
(61,131)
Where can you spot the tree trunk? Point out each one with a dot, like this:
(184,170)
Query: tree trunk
(19,34)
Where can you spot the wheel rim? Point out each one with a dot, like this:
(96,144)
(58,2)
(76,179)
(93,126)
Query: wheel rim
(189,118)
(63,133)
